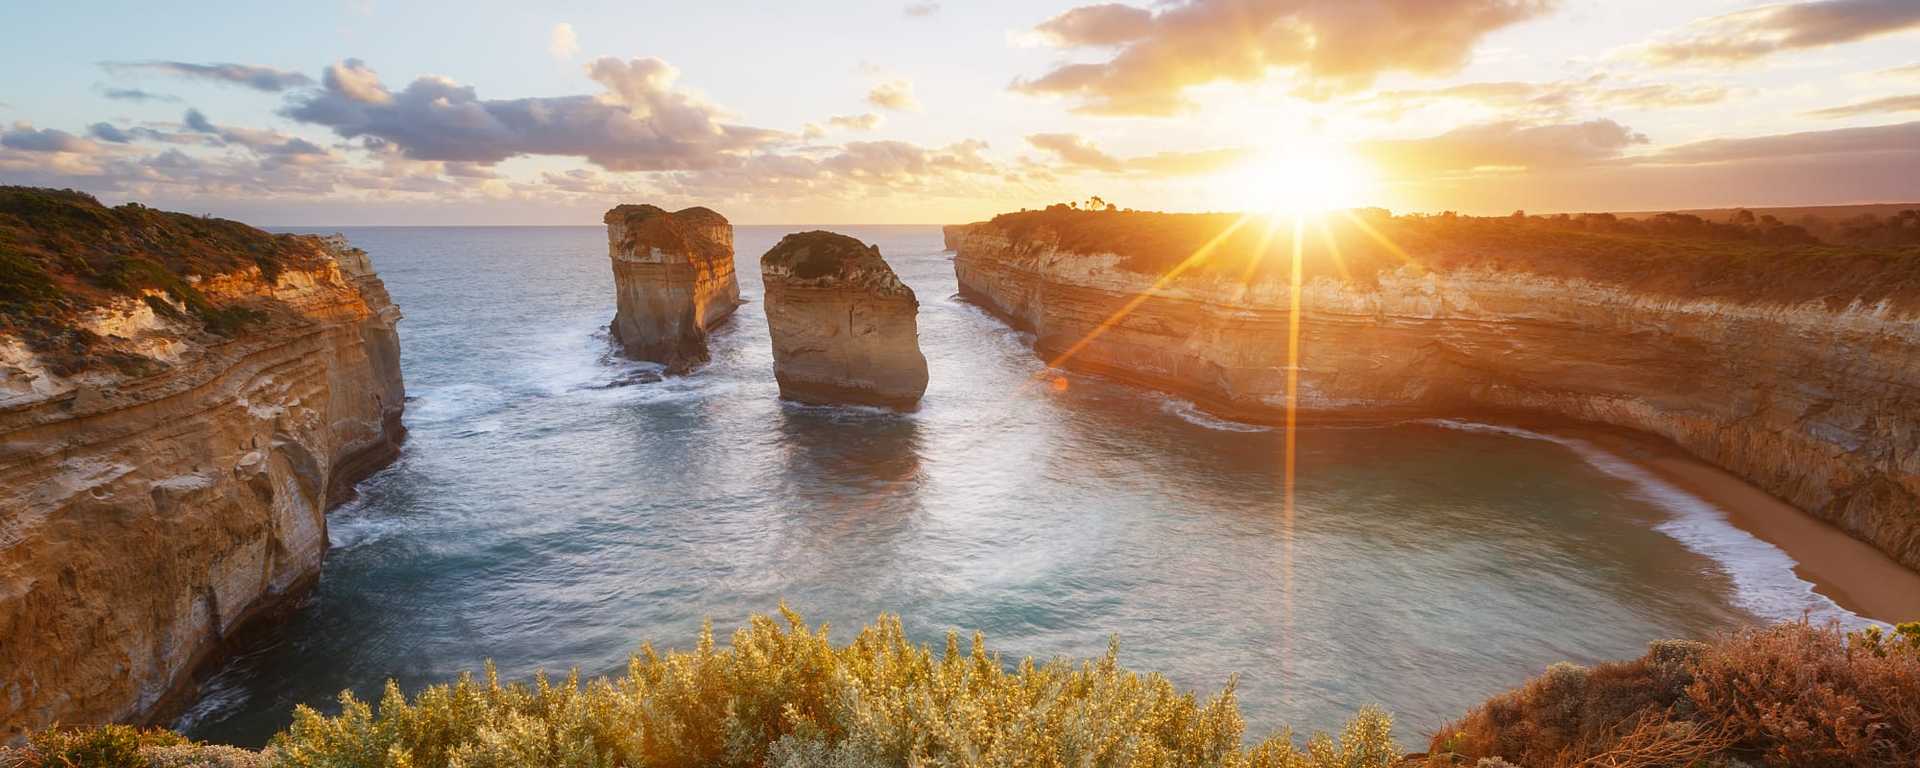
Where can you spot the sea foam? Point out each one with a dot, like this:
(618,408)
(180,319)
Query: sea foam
(1764,580)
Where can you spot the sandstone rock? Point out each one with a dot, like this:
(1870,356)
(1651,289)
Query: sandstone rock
(1816,404)
(148,515)
(844,326)
(673,279)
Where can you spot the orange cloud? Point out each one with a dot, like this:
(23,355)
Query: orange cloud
(1502,146)
(1075,153)
(895,95)
(1331,46)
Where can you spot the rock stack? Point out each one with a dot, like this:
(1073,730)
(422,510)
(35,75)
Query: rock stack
(844,327)
(673,278)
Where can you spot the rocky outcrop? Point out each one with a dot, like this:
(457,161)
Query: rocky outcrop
(157,500)
(1813,399)
(844,327)
(673,279)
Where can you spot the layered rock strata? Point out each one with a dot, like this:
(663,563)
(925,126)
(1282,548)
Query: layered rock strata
(150,511)
(845,329)
(673,281)
(1815,400)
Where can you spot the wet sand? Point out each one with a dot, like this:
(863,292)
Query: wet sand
(1849,571)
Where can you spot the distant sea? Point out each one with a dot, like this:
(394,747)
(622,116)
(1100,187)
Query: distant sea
(554,507)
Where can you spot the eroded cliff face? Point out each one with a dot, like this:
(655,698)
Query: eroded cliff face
(147,516)
(1817,404)
(673,279)
(845,329)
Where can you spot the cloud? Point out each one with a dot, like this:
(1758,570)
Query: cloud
(1757,32)
(1096,25)
(1551,101)
(1906,103)
(894,94)
(922,10)
(24,137)
(1075,154)
(257,78)
(861,122)
(265,143)
(1811,168)
(1501,146)
(1903,138)
(1331,46)
(1075,151)
(136,94)
(641,122)
(1910,70)
(353,80)
(562,43)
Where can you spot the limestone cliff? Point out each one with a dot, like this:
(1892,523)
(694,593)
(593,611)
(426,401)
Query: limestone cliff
(1798,370)
(673,280)
(181,400)
(845,329)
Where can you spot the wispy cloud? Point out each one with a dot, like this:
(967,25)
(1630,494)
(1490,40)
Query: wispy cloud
(1908,103)
(1075,153)
(1505,146)
(258,78)
(922,10)
(1766,30)
(136,94)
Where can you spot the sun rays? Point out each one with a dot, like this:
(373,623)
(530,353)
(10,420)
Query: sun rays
(1270,245)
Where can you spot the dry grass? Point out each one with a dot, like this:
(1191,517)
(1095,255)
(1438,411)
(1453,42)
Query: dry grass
(1789,695)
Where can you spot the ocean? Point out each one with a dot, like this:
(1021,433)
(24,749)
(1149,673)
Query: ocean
(555,506)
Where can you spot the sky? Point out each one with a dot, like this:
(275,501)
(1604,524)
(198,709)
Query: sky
(384,112)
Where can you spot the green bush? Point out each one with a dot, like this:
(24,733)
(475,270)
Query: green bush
(785,696)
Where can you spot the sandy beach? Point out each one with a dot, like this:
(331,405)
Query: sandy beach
(1849,571)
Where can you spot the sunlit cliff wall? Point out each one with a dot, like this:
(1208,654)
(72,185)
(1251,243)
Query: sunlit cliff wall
(1816,402)
(146,517)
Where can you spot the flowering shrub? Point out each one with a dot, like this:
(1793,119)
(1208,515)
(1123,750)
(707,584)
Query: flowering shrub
(785,696)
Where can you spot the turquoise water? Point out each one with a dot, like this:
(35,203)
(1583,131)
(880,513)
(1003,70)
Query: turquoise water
(553,508)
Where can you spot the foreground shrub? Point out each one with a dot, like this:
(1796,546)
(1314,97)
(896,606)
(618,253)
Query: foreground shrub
(786,697)
(109,746)
(1788,695)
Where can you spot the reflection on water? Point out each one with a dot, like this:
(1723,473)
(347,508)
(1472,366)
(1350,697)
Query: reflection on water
(554,506)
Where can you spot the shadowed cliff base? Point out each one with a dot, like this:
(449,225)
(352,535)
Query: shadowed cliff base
(181,400)
(844,327)
(1790,364)
(673,281)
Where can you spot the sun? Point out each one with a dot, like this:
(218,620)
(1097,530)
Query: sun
(1303,176)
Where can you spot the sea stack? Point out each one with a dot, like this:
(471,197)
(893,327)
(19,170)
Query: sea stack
(845,328)
(673,279)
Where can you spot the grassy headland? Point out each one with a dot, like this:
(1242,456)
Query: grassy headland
(63,253)
(1750,258)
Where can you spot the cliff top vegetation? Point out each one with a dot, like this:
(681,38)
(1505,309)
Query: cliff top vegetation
(697,232)
(1746,258)
(783,695)
(62,253)
(830,259)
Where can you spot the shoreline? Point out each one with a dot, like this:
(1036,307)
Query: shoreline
(1846,570)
